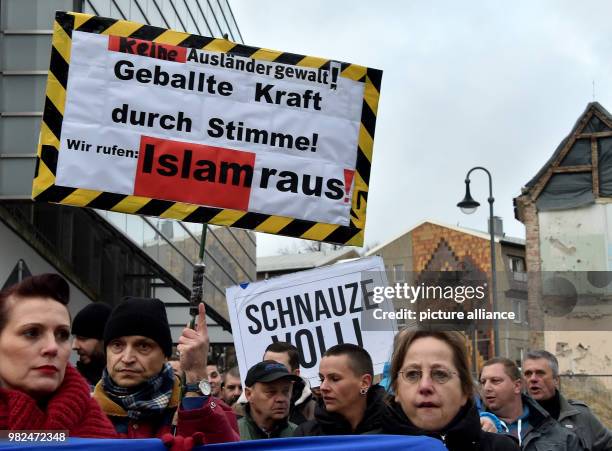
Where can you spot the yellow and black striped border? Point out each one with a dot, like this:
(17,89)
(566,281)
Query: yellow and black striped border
(44,187)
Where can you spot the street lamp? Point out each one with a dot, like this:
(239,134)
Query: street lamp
(468,206)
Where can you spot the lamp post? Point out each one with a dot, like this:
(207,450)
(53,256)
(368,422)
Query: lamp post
(468,206)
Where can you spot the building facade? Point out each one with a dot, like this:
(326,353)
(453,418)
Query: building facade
(432,249)
(105,255)
(567,212)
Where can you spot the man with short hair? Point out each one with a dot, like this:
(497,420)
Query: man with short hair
(88,330)
(231,387)
(525,419)
(139,391)
(303,403)
(214,377)
(268,391)
(541,372)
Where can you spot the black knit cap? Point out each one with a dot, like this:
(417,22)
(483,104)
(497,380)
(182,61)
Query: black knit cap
(140,316)
(90,321)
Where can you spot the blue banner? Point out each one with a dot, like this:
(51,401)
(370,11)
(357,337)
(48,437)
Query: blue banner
(335,443)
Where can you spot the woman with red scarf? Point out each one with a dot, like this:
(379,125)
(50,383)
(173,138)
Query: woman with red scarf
(38,388)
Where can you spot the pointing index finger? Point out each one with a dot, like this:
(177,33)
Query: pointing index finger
(201,320)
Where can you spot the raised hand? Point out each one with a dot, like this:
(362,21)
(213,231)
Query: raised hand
(193,348)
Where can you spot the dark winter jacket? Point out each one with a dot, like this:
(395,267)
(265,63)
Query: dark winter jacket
(331,423)
(461,434)
(249,430)
(578,418)
(544,432)
(302,403)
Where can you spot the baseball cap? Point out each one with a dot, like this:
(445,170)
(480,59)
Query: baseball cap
(269,371)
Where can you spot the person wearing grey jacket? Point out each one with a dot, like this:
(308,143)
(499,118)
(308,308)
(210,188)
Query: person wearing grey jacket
(541,372)
(543,429)
(525,419)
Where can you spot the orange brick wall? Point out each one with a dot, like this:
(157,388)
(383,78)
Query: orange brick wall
(427,237)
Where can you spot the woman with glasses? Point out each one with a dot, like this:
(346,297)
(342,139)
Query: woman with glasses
(433,389)
(349,403)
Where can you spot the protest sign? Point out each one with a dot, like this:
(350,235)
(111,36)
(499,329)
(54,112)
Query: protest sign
(314,310)
(145,120)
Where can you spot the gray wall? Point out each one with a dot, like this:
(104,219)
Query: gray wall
(25,47)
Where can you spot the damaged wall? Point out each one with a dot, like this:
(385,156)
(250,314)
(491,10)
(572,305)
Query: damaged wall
(578,241)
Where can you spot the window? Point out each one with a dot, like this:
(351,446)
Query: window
(398,273)
(388,273)
(517,308)
(517,267)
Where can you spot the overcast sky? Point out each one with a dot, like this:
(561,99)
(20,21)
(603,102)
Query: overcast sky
(476,83)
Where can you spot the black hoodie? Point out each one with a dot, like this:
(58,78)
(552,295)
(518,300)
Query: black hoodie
(461,434)
(330,423)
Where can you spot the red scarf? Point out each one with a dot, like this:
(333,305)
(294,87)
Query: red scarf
(70,408)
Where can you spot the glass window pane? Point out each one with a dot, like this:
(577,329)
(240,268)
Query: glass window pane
(133,12)
(19,135)
(213,22)
(135,229)
(182,15)
(16,176)
(235,34)
(31,14)
(23,52)
(23,93)
(153,15)
(116,12)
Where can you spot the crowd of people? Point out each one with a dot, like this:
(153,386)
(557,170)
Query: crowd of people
(126,384)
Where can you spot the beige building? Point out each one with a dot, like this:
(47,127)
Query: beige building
(567,212)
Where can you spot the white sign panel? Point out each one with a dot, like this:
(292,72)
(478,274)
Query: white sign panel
(211,129)
(314,310)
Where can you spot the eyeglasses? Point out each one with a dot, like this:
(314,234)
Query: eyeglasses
(438,375)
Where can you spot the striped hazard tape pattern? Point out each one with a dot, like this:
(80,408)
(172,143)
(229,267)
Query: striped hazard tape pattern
(44,187)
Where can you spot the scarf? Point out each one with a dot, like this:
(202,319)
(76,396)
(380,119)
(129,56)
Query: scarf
(552,405)
(462,433)
(145,400)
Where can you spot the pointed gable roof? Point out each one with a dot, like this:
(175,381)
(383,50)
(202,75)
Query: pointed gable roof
(579,170)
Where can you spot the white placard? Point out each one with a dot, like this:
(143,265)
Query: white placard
(210,129)
(314,310)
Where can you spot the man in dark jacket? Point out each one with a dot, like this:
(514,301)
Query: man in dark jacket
(534,428)
(302,405)
(541,371)
(88,330)
(268,391)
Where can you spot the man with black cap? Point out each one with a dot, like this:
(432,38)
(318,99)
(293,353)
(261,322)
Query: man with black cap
(268,392)
(88,330)
(139,391)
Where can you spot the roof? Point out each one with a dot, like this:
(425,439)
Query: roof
(579,123)
(473,232)
(513,240)
(292,262)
